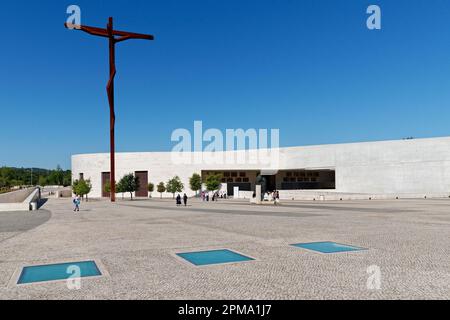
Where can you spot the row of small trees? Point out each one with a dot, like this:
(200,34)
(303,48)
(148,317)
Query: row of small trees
(130,183)
(175,185)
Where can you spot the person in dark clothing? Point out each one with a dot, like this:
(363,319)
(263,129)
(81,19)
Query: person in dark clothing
(178,200)
(185,199)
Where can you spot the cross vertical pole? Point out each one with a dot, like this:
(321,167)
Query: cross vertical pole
(112,116)
(114,36)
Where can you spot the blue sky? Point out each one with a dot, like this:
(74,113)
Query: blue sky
(308,67)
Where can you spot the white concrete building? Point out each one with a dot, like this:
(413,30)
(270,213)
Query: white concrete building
(401,168)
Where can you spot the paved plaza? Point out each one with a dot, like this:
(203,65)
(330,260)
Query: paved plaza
(136,243)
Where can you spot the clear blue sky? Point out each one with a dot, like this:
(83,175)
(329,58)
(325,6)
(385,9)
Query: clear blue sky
(308,67)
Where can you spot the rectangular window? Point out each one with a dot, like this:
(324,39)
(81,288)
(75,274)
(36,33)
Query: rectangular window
(307,179)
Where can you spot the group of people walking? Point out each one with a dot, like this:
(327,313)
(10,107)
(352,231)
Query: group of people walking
(205,196)
(216,195)
(272,196)
(185,199)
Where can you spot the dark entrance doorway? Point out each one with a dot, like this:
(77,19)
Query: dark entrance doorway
(143,183)
(243,186)
(106,178)
(271,183)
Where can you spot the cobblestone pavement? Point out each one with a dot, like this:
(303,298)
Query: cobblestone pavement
(136,242)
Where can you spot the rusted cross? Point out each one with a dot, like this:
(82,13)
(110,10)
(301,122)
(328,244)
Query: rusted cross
(114,37)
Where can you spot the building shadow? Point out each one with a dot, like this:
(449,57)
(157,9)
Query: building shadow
(42,202)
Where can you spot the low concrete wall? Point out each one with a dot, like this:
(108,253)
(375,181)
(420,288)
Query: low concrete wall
(33,199)
(20,200)
(323,195)
(245,194)
(16,196)
(66,193)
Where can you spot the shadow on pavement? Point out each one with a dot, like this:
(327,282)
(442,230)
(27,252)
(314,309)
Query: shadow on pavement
(42,202)
(21,221)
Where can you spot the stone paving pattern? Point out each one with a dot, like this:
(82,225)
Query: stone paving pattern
(136,241)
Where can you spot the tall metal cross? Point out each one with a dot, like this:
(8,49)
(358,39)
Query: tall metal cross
(114,37)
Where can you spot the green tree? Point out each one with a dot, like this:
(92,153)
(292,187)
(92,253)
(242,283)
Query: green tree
(42,181)
(107,188)
(82,188)
(213,182)
(120,188)
(75,184)
(151,188)
(161,188)
(56,177)
(67,178)
(129,183)
(22,176)
(174,185)
(4,183)
(195,183)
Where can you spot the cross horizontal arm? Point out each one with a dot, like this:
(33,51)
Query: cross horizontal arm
(104,32)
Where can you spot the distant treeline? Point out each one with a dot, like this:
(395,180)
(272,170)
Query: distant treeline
(12,177)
